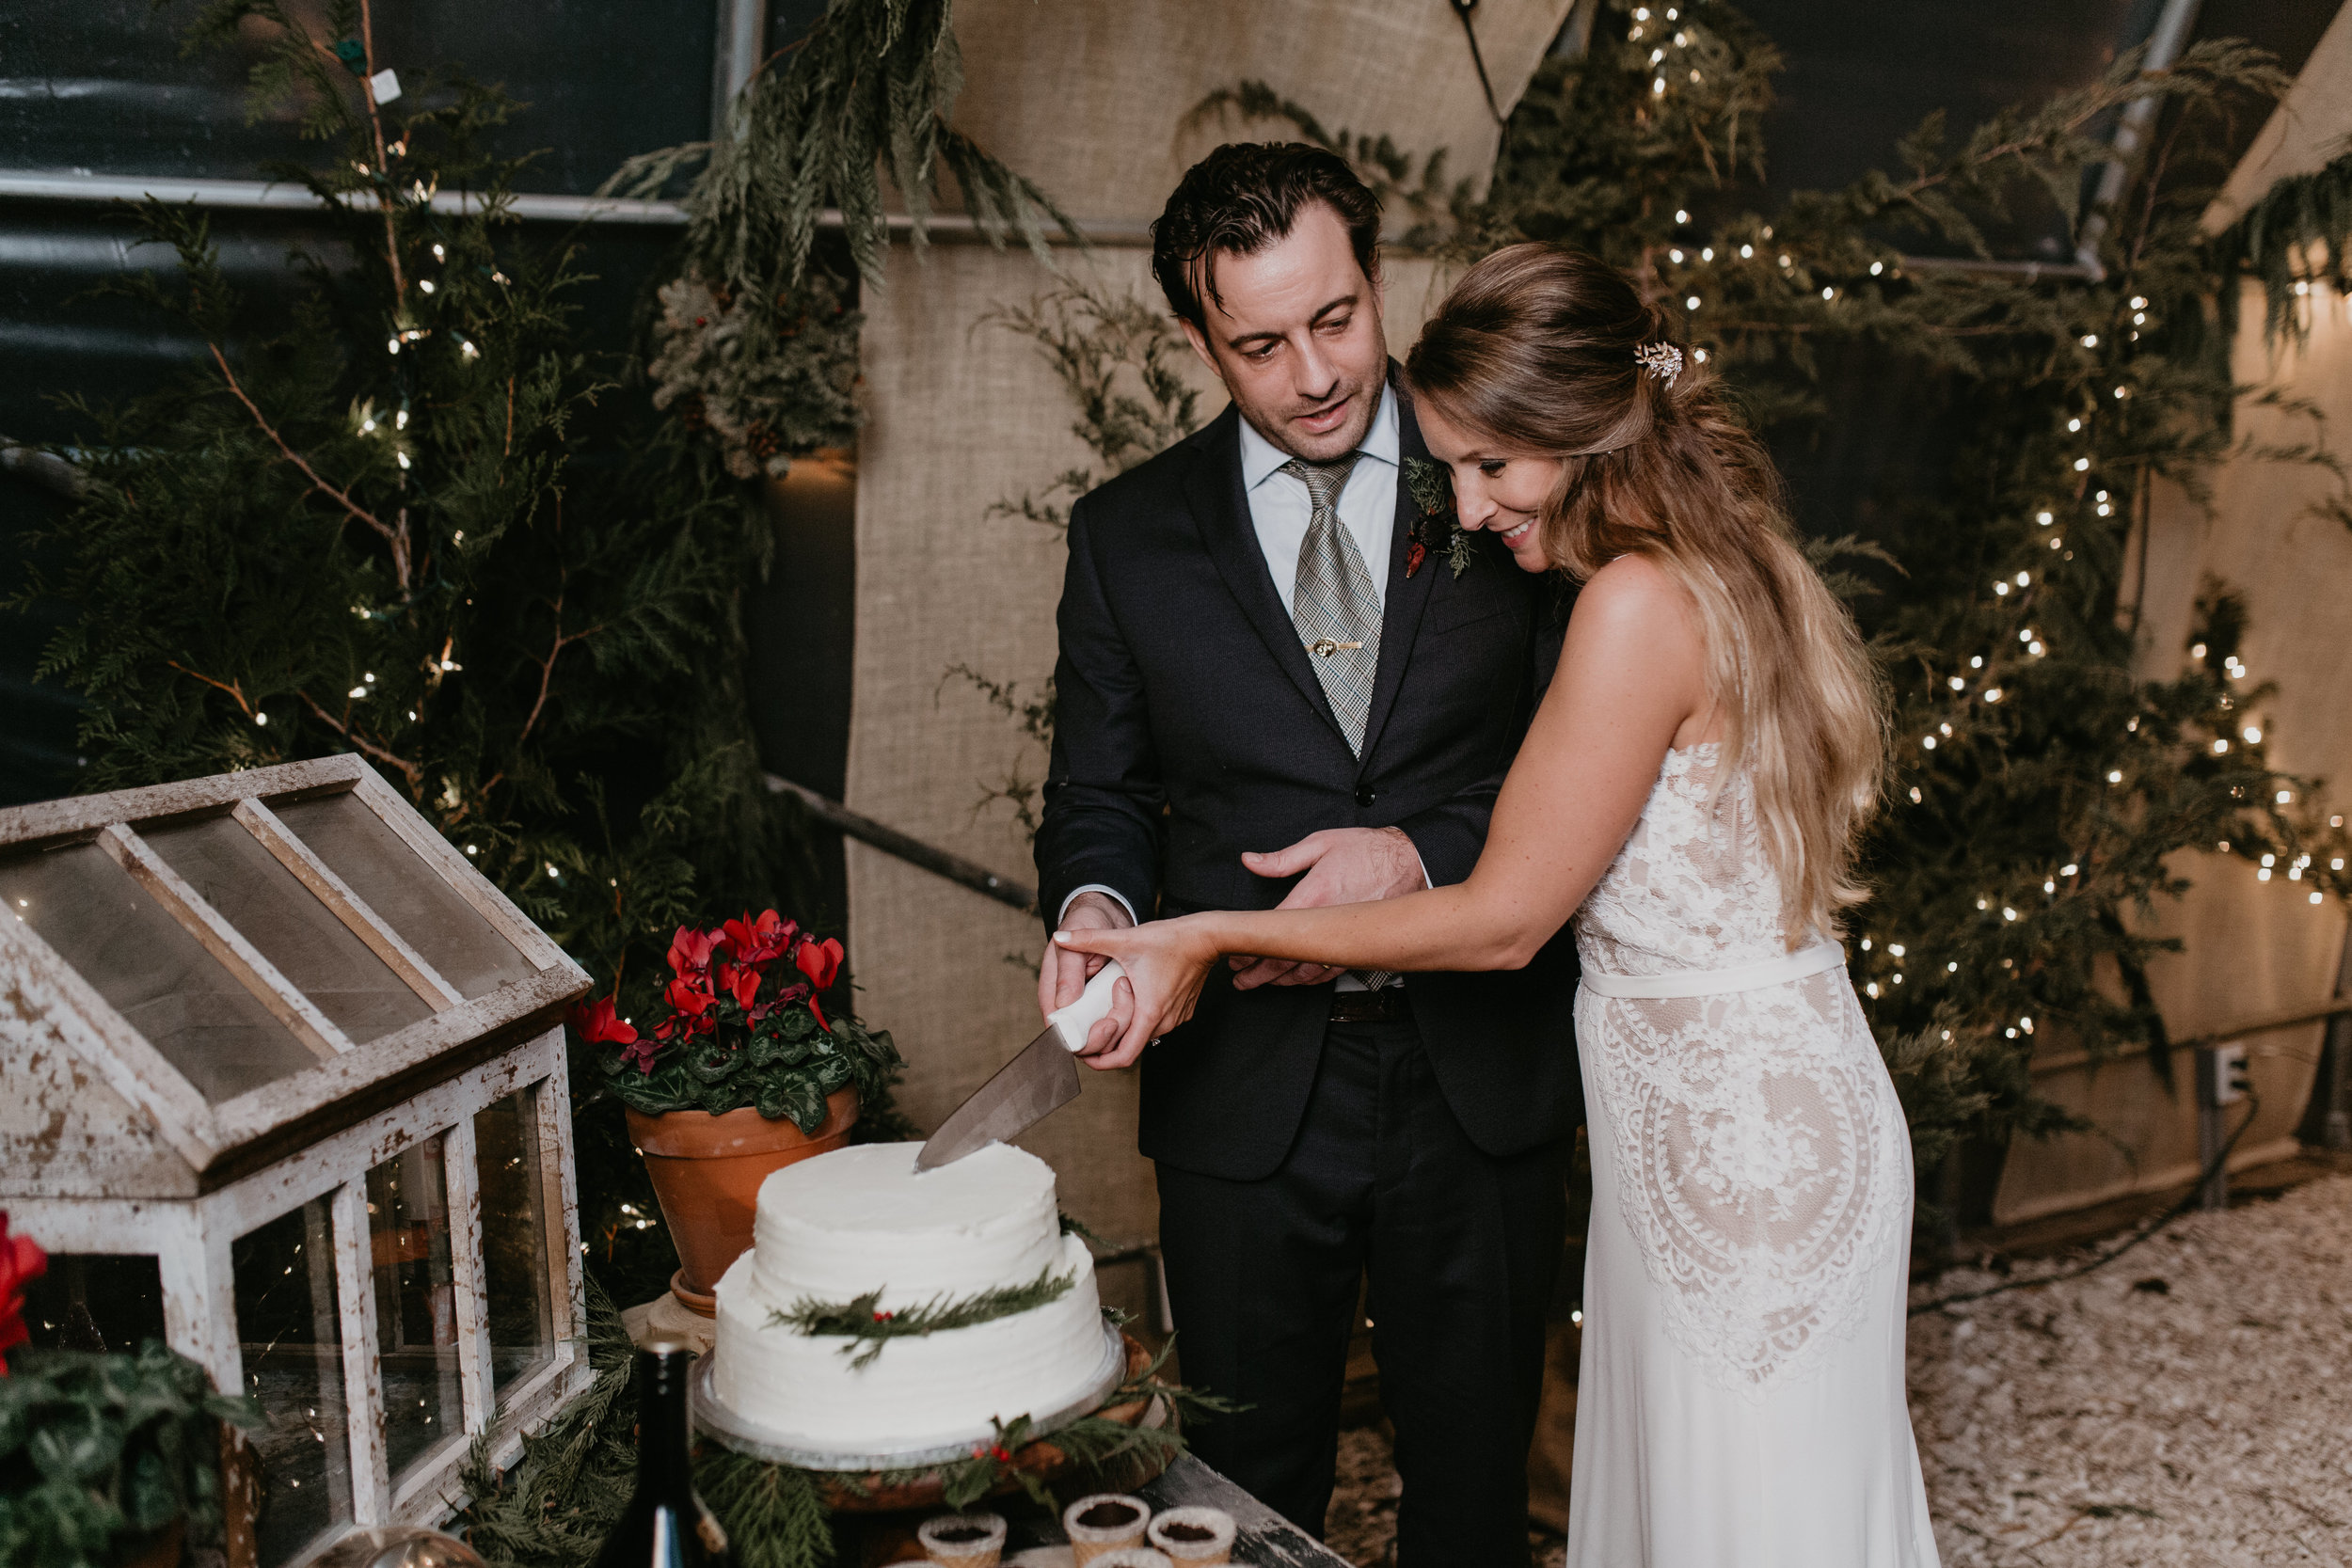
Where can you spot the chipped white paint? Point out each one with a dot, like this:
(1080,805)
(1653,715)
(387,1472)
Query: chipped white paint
(107,1149)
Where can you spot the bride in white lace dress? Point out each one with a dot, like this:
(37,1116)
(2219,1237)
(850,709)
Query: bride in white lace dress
(1688,792)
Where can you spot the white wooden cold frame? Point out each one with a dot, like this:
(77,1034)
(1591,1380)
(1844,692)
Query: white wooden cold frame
(187,1211)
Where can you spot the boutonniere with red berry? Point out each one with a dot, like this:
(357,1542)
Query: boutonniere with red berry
(1435,524)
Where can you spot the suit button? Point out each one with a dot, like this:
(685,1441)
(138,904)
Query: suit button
(1364,797)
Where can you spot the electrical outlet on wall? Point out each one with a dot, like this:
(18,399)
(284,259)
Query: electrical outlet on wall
(2225,1073)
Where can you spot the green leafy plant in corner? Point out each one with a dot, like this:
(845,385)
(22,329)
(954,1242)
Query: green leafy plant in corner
(99,1452)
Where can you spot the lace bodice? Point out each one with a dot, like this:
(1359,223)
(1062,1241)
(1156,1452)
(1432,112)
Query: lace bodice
(1693,888)
(1752,1137)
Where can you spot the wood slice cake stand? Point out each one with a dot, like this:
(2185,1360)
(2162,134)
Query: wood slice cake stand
(1041,1460)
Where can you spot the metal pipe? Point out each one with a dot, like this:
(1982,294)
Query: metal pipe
(2164,47)
(742,35)
(906,846)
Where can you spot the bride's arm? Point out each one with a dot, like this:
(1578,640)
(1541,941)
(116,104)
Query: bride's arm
(1631,675)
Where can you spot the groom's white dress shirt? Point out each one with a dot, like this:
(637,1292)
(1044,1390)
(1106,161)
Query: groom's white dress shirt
(1280,509)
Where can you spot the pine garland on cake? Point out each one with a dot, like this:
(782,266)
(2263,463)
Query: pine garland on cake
(867,1329)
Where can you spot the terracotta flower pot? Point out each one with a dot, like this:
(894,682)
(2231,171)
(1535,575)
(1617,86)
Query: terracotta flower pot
(706,1172)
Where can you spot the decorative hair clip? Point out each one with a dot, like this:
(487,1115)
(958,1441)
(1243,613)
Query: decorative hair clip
(1662,360)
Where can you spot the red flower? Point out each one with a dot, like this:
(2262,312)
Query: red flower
(641,1054)
(688,995)
(690,950)
(819,961)
(760,942)
(597,1024)
(741,981)
(1415,554)
(21,1260)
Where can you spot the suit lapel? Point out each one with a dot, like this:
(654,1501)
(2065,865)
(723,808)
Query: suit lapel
(1213,490)
(1407,597)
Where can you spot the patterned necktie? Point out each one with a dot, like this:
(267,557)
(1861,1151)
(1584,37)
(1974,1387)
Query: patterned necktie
(1337,614)
(1332,604)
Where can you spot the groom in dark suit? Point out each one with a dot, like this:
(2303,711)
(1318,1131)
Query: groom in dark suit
(1266,642)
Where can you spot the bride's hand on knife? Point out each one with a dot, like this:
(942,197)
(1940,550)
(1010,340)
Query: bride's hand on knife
(1166,963)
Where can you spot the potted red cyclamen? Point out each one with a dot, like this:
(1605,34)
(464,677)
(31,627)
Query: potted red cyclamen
(744,1074)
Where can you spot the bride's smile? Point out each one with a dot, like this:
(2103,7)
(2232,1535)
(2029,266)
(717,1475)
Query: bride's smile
(1501,492)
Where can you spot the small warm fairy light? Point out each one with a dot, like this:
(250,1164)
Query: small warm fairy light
(1746,251)
(2073,424)
(426,284)
(1896,948)
(1692,302)
(1706,253)
(2314,896)
(1877,267)
(1870,989)
(1929,742)
(1681,214)
(440,255)
(2115,775)
(2264,875)
(472,850)
(2000,588)
(2024,578)
(1659,86)
(1993,694)
(2254,736)
(2044,518)
(1950,968)
(1675,255)
(2090,339)
(2121,393)
(2285,797)
(1866,944)
(359,691)
(2221,748)
(2082,464)
(1828,293)
(1977,663)
(262,718)
(1957,684)
(1914,795)
(1699,354)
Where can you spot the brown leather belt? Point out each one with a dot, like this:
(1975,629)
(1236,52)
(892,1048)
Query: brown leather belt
(1389,1004)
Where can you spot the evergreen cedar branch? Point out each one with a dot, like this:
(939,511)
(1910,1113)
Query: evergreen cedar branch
(2061,769)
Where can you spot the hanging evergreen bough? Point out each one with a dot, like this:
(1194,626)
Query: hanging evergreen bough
(753,333)
(2291,240)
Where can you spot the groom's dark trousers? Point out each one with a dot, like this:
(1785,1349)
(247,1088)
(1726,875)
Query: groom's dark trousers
(1297,1154)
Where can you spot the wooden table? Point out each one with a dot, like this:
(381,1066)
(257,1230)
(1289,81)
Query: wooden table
(1262,1538)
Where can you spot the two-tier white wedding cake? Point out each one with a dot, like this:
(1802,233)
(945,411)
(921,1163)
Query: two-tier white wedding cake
(835,1229)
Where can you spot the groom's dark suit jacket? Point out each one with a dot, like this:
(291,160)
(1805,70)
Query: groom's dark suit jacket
(1191,728)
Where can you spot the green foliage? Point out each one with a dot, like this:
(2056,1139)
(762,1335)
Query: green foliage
(764,384)
(774,1515)
(784,1068)
(400,512)
(2293,237)
(100,1451)
(867,1329)
(555,1505)
(1420,187)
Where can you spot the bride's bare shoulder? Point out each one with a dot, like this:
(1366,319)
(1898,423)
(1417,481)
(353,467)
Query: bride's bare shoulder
(1633,597)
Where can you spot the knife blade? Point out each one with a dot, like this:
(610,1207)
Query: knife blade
(1030,1087)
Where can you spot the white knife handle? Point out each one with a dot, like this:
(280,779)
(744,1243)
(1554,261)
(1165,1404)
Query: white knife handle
(1085,1013)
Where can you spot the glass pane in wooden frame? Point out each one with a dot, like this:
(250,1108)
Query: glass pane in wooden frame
(521,1317)
(96,1302)
(290,1335)
(196,1014)
(416,1304)
(311,946)
(405,893)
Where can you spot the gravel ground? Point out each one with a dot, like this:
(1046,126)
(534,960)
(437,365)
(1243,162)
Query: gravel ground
(2187,1406)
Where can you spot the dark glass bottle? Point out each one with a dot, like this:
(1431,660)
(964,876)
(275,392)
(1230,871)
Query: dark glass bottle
(665,1525)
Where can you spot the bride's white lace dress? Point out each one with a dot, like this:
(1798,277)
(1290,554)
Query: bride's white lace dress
(1741,1399)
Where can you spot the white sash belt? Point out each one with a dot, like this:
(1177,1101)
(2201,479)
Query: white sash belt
(1821,955)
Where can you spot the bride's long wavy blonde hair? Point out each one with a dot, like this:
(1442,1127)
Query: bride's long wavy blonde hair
(1535,350)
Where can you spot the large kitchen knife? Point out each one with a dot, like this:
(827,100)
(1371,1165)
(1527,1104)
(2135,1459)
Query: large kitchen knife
(1030,1087)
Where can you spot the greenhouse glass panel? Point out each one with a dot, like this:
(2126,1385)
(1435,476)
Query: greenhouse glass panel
(319,955)
(149,970)
(407,895)
(514,1238)
(415,1304)
(95,1301)
(292,1344)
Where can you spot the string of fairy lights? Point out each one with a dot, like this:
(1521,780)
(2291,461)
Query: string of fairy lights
(1965,702)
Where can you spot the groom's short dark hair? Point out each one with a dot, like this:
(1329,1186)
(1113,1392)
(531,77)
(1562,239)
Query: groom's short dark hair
(1244,197)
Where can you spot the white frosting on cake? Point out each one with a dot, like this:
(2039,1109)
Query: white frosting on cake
(843,1223)
(831,1228)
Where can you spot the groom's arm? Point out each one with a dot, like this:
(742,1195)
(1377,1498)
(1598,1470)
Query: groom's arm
(1103,795)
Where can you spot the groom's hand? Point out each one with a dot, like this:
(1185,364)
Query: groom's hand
(1342,865)
(1061,978)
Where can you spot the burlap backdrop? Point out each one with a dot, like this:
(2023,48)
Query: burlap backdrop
(2251,946)
(1085,97)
